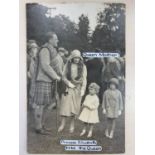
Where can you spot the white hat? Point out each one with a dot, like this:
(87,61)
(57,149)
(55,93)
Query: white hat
(76,53)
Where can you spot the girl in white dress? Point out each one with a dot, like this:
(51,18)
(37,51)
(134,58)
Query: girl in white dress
(89,114)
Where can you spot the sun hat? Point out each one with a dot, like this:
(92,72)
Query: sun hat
(76,54)
(114,81)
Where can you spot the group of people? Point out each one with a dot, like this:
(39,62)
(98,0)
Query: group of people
(54,74)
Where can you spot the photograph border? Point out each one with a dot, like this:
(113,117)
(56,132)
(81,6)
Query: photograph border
(130,72)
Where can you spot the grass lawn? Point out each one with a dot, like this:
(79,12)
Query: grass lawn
(43,144)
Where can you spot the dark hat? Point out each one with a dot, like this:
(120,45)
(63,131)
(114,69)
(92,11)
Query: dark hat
(114,81)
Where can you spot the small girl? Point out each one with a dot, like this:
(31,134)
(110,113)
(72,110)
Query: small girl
(112,106)
(89,114)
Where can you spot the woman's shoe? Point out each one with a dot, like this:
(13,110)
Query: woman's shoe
(83,132)
(71,130)
(89,134)
(106,133)
(111,134)
(60,128)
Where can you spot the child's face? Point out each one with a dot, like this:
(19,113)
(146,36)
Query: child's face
(92,91)
(112,86)
(76,60)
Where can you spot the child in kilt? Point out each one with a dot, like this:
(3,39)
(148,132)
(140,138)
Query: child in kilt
(112,105)
(89,114)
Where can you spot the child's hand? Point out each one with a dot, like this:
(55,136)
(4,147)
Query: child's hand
(104,111)
(82,93)
(119,112)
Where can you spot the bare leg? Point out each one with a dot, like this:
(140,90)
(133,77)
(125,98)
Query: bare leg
(108,128)
(38,115)
(90,130)
(112,128)
(72,125)
(62,125)
(84,129)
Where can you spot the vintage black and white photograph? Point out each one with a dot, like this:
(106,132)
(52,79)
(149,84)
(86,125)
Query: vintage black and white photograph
(76,58)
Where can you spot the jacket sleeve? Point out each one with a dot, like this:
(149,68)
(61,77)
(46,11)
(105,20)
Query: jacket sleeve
(84,83)
(44,56)
(120,101)
(104,101)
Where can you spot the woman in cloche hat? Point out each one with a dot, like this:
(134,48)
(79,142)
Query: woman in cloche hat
(74,77)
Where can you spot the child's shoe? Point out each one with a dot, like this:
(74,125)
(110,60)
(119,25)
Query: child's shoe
(71,130)
(83,132)
(89,134)
(106,133)
(111,134)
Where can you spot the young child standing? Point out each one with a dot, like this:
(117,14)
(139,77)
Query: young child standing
(89,114)
(112,105)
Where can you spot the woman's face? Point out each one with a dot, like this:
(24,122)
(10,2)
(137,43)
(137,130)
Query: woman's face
(34,52)
(112,86)
(76,60)
(92,91)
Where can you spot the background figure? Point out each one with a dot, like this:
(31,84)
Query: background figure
(48,71)
(32,62)
(64,54)
(112,70)
(122,78)
(74,76)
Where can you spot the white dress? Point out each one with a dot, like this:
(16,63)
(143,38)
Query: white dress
(89,112)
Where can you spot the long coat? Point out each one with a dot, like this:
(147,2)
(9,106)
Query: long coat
(112,102)
(71,99)
(89,112)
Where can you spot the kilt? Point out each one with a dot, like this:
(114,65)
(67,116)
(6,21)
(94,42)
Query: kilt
(44,93)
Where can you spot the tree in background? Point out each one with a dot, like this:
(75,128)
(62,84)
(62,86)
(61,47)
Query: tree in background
(66,31)
(84,32)
(109,33)
(37,23)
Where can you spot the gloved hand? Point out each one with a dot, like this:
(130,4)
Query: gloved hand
(71,85)
(104,111)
